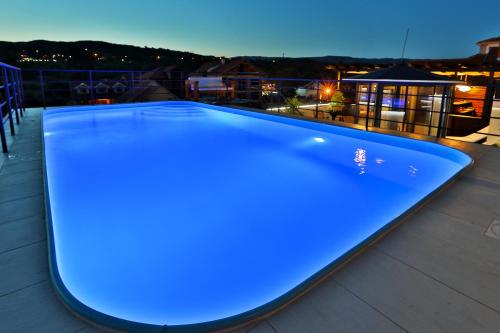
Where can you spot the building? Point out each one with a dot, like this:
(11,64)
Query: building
(82,89)
(490,46)
(404,98)
(234,76)
(170,77)
(118,87)
(101,88)
(472,100)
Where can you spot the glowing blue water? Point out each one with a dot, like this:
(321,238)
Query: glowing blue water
(183,213)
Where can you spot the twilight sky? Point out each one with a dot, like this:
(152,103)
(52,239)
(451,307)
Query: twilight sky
(362,28)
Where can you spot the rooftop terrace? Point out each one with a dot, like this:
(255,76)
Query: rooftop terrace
(438,271)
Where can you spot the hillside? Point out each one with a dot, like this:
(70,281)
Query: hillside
(103,55)
(95,55)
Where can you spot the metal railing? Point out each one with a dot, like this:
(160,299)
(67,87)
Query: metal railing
(57,87)
(12,100)
(426,109)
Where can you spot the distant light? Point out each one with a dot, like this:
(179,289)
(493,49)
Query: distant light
(463,88)
(328,91)
(320,140)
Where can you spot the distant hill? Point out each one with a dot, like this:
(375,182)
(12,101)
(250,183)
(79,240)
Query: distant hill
(103,55)
(352,60)
(95,55)
(312,67)
(332,59)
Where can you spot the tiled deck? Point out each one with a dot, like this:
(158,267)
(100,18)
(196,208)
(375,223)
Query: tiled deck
(437,272)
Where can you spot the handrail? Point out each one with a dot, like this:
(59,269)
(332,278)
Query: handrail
(86,70)
(435,117)
(2,64)
(12,103)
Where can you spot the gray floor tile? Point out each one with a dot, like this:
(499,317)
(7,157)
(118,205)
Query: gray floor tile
(13,167)
(22,208)
(330,307)
(35,309)
(262,327)
(21,191)
(468,201)
(413,300)
(21,232)
(488,166)
(452,252)
(34,176)
(23,267)
(94,329)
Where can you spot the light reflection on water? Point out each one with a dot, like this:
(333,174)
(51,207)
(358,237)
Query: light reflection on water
(412,171)
(360,159)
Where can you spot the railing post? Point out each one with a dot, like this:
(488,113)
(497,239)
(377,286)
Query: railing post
(91,82)
(42,88)
(21,87)
(187,89)
(5,148)
(367,104)
(317,100)
(3,138)
(446,99)
(20,91)
(14,94)
(279,94)
(132,85)
(9,104)
(196,92)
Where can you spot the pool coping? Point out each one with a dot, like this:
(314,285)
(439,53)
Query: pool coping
(229,323)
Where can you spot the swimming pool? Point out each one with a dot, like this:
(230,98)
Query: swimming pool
(201,217)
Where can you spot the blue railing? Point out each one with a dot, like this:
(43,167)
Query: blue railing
(11,100)
(431,109)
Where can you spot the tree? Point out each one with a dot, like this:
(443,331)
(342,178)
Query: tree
(293,105)
(337,101)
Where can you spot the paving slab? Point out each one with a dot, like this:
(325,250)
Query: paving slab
(451,251)
(35,310)
(413,300)
(23,232)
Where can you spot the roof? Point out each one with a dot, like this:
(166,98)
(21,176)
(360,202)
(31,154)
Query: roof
(493,39)
(101,84)
(402,73)
(160,73)
(83,84)
(225,67)
(118,83)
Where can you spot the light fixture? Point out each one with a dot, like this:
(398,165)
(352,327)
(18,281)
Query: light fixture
(463,88)
(320,140)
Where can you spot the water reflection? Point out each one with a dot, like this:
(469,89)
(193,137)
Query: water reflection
(360,159)
(412,171)
(320,140)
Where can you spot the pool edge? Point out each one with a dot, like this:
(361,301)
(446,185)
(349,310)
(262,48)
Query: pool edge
(105,321)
